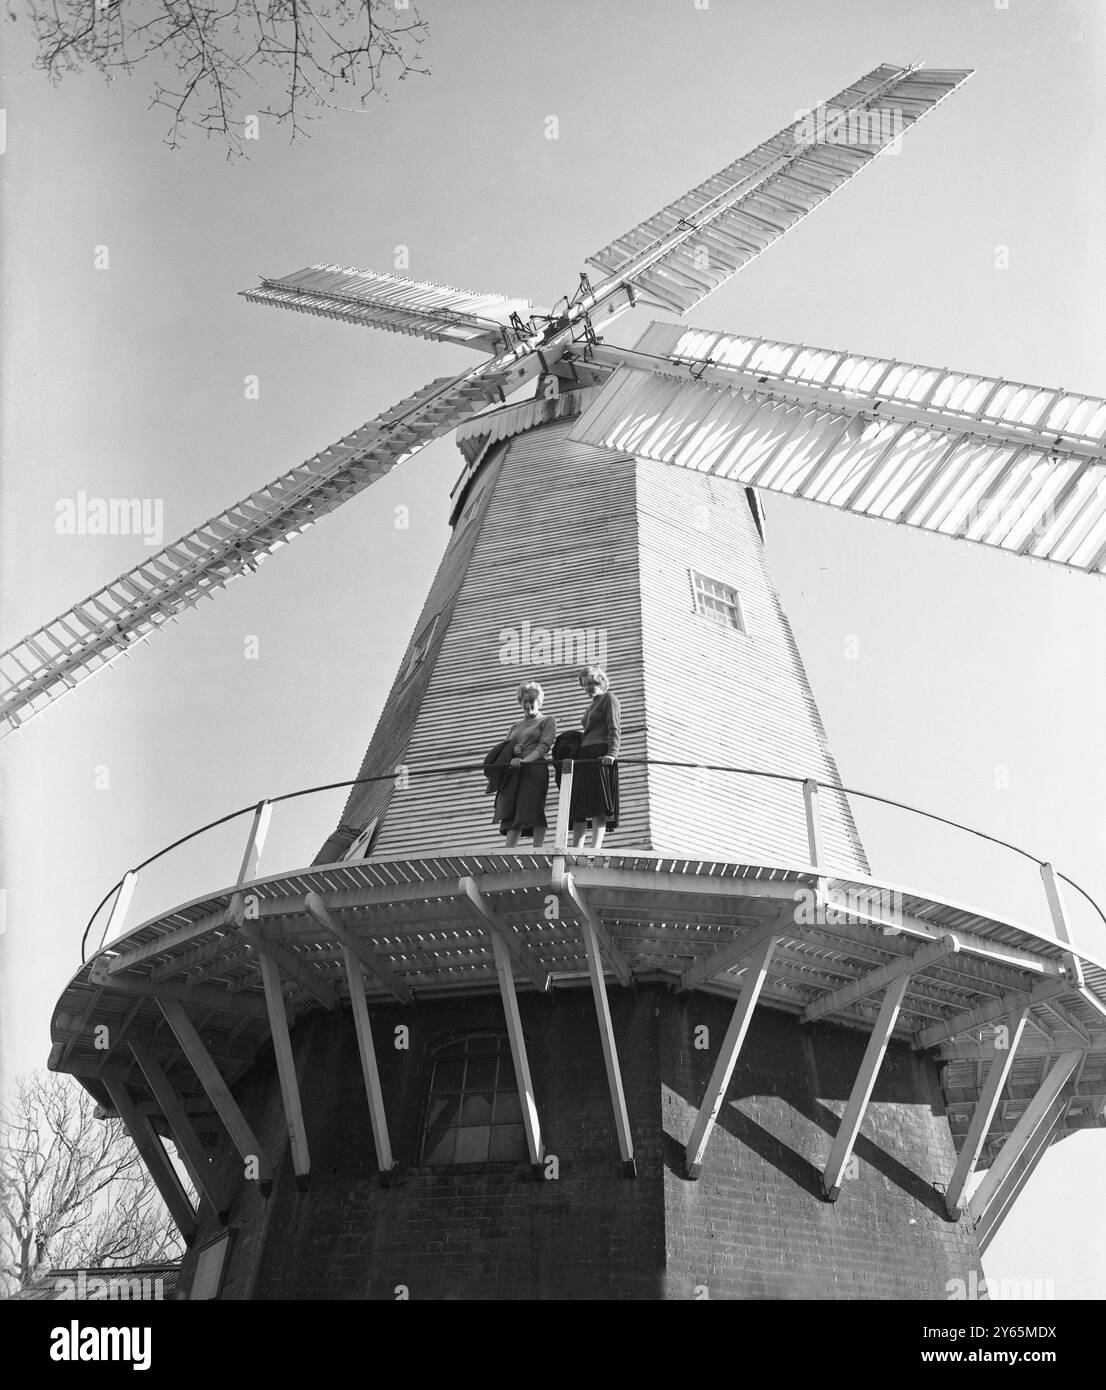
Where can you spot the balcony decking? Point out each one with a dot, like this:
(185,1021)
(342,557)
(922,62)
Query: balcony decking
(419,933)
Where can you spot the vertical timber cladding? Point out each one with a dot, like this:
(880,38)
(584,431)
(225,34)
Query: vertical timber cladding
(388,748)
(552,581)
(715,695)
(565,551)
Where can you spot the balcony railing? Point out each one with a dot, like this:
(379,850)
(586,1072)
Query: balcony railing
(268,837)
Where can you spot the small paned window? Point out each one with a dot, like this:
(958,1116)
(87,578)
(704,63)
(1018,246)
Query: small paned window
(421,647)
(474,1114)
(717,600)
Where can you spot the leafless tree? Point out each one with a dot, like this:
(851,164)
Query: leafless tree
(215,66)
(73,1190)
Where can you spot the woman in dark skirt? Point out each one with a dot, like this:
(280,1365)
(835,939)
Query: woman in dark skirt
(595,774)
(520,802)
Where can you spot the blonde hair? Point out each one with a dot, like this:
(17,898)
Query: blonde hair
(526,686)
(597,673)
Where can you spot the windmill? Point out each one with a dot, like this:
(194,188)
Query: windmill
(620,501)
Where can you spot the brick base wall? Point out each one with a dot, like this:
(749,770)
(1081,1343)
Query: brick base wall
(753,1226)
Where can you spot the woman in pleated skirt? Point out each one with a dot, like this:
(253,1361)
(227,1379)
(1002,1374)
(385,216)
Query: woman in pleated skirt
(520,802)
(595,770)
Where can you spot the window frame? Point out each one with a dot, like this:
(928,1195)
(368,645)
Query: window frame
(699,578)
(503,1049)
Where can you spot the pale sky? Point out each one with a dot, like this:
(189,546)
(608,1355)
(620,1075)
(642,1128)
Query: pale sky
(977,690)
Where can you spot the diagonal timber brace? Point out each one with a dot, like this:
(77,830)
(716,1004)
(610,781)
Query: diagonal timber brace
(369,959)
(610,1050)
(500,931)
(286,1068)
(360,958)
(217,1091)
(879,979)
(366,1049)
(861,1093)
(1010,1189)
(187,1142)
(153,1154)
(306,978)
(199,996)
(984,1113)
(1034,1128)
(590,919)
(988,1013)
(726,957)
(755,974)
(519,1055)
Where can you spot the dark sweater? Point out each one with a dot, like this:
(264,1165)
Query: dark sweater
(602,723)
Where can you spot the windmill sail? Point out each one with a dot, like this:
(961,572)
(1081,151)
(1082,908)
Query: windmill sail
(101,628)
(714,230)
(399,306)
(675,258)
(1016,467)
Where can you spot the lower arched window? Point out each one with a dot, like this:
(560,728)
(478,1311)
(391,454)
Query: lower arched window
(473,1114)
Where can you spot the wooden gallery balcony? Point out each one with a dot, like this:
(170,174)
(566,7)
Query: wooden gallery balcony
(164,1020)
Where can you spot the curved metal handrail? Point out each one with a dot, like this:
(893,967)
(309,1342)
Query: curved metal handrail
(440,768)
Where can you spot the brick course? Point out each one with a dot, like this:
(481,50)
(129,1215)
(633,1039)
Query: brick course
(754,1225)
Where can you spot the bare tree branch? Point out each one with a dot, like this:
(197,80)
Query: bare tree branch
(73,1190)
(295,58)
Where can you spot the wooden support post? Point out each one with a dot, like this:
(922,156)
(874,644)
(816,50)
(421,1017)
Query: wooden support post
(1010,1188)
(218,1092)
(251,860)
(1017,1143)
(755,973)
(610,1051)
(385,1162)
(1055,904)
(120,907)
(184,1134)
(563,830)
(863,1086)
(813,823)
(529,1106)
(984,1113)
(153,1154)
(286,1068)
(1060,925)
